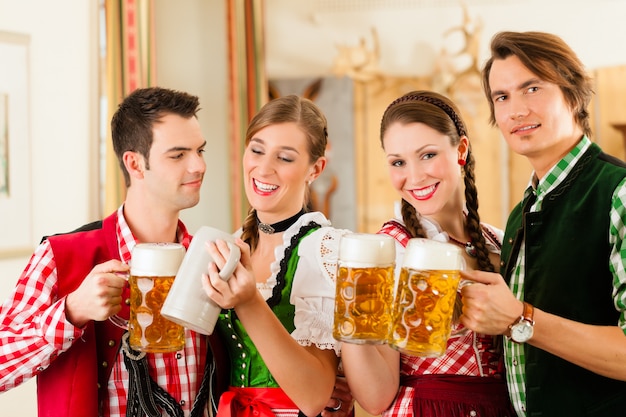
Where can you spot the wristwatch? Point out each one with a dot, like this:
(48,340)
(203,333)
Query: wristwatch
(522,329)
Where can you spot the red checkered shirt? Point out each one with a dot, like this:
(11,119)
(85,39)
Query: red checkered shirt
(34,330)
(468,353)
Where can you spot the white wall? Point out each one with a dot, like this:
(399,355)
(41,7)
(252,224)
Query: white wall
(63,87)
(63,131)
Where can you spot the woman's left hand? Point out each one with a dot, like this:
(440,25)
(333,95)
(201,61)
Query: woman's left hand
(240,287)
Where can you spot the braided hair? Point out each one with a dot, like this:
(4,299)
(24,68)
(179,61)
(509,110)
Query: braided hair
(441,114)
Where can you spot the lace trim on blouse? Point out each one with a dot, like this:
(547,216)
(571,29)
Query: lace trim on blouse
(314,310)
(267,287)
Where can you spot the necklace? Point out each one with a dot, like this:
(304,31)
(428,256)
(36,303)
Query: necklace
(470,249)
(280,226)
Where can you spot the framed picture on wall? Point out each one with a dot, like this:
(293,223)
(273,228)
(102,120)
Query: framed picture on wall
(15,163)
(4,145)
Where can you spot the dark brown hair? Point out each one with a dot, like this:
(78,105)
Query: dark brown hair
(287,109)
(441,114)
(552,60)
(132,123)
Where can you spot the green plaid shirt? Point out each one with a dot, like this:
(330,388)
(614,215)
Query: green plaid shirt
(514,353)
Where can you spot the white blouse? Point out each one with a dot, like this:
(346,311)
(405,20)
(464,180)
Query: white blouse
(313,290)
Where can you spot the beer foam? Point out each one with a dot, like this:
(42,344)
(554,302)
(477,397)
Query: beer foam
(424,254)
(156,259)
(367,249)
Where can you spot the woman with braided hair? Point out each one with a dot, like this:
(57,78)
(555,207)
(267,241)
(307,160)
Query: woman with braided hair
(432,168)
(279,303)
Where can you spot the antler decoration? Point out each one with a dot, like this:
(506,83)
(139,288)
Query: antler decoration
(362,63)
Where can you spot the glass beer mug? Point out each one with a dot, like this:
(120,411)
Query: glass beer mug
(425,297)
(153,267)
(364,288)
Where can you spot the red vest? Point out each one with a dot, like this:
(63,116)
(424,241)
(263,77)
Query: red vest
(76,381)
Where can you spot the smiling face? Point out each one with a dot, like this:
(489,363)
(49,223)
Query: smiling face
(172,179)
(423,167)
(532,114)
(277,169)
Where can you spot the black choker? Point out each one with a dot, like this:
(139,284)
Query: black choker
(280,226)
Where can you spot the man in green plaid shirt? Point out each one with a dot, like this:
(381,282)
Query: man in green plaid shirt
(560,300)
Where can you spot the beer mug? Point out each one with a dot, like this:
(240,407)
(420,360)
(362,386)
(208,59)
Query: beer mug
(187,303)
(364,288)
(153,267)
(425,296)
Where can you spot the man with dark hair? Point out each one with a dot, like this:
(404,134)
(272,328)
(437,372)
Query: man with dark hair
(562,302)
(65,320)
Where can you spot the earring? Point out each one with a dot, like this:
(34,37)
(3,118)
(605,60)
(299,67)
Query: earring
(462,162)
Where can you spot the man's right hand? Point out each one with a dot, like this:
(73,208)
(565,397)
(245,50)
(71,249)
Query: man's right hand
(99,296)
(489,306)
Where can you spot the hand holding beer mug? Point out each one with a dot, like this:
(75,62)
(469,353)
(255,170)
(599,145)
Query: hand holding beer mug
(187,304)
(425,297)
(364,288)
(153,267)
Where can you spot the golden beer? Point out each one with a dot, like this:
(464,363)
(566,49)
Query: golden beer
(364,288)
(149,331)
(424,301)
(422,313)
(363,304)
(153,269)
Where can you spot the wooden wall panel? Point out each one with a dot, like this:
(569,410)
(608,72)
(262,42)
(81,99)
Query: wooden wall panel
(489,150)
(609,107)
(375,195)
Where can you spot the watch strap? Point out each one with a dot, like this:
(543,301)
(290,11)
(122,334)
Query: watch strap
(528,314)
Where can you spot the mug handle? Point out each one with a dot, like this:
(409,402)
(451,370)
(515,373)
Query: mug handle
(231,263)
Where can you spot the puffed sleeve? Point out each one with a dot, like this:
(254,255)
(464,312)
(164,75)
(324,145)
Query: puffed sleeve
(313,291)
